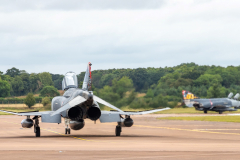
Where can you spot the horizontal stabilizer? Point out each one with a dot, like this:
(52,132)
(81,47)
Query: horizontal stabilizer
(99,100)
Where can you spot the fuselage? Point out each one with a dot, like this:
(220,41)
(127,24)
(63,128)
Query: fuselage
(80,111)
(214,104)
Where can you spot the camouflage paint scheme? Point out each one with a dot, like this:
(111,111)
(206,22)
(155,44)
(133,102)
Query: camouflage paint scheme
(214,104)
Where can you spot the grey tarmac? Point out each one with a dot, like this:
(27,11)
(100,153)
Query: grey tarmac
(149,138)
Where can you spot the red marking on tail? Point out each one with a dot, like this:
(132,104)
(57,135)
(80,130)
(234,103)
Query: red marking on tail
(90,73)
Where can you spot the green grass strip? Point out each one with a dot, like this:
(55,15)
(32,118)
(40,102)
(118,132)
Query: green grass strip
(206,118)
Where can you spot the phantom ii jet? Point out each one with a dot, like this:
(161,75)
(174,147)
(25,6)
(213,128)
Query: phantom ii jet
(76,105)
(215,104)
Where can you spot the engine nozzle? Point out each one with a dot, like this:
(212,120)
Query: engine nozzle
(75,113)
(94,113)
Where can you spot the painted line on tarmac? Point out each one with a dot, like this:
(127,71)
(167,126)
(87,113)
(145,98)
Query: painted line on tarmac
(220,129)
(191,130)
(67,135)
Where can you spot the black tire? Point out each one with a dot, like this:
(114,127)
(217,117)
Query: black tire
(69,131)
(66,131)
(220,112)
(37,131)
(205,111)
(118,130)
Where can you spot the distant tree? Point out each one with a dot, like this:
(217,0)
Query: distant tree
(214,90)
(35,83)
(45,79)
(58,82)
(150,93)
(208,79)
(4,88)
(46,101)
(139,76)
(158,101)
(30,100)
(17,85)
(26,82)
(13,72)
(122,86)
(49,91)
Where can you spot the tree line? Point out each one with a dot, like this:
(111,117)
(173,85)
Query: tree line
(162,86)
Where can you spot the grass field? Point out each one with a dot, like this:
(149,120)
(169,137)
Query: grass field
(189,111)
(19,110)
(206,118)
(170,111)
(37,105)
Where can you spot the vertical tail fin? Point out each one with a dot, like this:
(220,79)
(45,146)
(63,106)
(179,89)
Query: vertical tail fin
(188,95)
(87,82)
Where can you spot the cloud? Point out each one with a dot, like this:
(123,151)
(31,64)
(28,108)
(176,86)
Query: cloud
(58,38)
(69,5)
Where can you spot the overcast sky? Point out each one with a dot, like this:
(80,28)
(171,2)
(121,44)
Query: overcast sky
(59,36)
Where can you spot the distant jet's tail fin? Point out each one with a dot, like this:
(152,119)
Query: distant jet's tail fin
(187,96)
(87,82)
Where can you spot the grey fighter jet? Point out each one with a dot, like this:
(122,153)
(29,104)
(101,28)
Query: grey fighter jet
(214,104)
(76,105)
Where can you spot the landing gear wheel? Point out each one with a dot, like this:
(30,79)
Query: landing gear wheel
(67,130)
(220,112)
(205,112)
(118,130)
(37,131)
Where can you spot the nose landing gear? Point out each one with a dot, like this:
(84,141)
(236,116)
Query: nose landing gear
(67,130)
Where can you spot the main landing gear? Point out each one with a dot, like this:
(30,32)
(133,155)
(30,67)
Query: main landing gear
(67,130)
(205,111)
(118,129)
(36,126)
(220,112)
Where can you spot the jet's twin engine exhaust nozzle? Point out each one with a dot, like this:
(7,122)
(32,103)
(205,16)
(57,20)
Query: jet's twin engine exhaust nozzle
(75,113)
(77,125)
(94,113)
(27,123)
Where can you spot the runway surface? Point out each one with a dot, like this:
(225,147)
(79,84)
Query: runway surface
(149,138)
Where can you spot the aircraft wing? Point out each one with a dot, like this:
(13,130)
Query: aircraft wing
(114,116)
(143,112)
(99,100)
(135,113)
(34,113)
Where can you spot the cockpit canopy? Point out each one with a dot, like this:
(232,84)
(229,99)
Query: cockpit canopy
(69,81)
